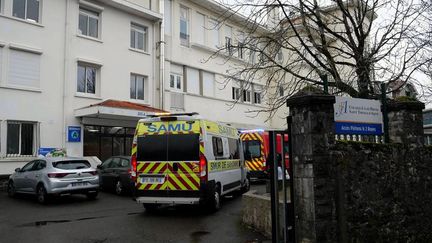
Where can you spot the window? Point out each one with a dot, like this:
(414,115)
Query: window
(86,78)
(228,40)
(252,149)
(214,33)
(246,96)
(28,166)
(20,138)
(71,164)
(88,23)
(217,147)
(279,55)
(236,93)
(200,28)
(257,97)
(138,37)
(137,89)
(184,26)
(26,9)
(233,145)
(241,40)
(176,82)
(24,68)
(281,91)
(179,147)
(257,93)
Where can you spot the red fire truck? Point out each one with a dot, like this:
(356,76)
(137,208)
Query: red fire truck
(256,148)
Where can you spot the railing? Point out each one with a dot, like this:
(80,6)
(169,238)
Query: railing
(360,138)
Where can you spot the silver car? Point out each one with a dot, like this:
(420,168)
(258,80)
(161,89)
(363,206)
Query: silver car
(45,177)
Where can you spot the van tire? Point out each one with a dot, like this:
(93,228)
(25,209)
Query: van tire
(214,203)
(246,186)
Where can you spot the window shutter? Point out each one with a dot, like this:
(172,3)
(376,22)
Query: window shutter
(24,69)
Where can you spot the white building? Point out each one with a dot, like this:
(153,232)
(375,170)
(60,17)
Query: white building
(78,74)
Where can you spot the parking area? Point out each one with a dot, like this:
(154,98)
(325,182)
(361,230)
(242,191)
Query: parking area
(112,218)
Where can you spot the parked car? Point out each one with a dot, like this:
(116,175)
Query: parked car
(114,174)
(50,176)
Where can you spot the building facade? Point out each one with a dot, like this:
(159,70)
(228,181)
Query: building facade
(78,74)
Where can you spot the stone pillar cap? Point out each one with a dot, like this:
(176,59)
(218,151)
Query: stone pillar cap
(395,105)
(306,97)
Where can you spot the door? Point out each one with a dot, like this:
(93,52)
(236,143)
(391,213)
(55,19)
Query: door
(104,173)
(111,174)
(35,174)
(21,177)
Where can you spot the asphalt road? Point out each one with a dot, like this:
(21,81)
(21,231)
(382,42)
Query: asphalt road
(119,219)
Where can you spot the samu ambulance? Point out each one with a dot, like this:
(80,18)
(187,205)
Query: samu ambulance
(184,159)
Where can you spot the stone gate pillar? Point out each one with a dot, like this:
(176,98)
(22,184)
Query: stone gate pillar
(312,134)
(406,122)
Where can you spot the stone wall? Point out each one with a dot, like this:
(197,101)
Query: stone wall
(385,192)
(359,192)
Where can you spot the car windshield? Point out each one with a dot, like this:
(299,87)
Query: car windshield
(71,164)
(179,147)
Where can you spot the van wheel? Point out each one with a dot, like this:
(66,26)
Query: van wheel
(11,189)
(151,208)
(215,200)
(42,196)
(246,186)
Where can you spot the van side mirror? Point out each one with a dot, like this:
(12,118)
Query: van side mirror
(18,170)
(99,167)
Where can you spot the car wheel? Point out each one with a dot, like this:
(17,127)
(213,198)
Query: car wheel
(215,201)
(91,195)
(11,189)
(42,196)
(119,188)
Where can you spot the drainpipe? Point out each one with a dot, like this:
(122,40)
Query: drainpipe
(65,74)
(162,57)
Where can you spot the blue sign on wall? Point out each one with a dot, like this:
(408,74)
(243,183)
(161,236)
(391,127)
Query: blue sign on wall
(44,151)
(358,128)
(74,134)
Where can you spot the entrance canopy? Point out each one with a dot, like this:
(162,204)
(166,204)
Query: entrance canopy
(111,112)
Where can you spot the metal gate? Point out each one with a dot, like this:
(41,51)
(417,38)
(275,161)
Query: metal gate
(282,214)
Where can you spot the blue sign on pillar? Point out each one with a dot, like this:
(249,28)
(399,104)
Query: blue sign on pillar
(74,134)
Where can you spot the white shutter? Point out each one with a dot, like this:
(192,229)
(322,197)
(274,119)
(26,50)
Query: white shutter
(208,84)
(167,17)
(192,76)
(24,69)
(1,60)
(199,28)
(177,101)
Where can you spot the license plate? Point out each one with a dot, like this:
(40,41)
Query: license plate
(153,180)
(79,183)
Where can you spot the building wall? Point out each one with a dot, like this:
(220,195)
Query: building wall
(21,103)
(57,42)
(201,56)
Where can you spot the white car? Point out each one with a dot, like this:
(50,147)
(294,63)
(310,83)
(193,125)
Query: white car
(45,177)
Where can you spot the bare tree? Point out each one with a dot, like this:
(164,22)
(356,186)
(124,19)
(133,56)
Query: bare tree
(354,44)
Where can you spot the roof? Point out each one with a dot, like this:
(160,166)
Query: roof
(127,105)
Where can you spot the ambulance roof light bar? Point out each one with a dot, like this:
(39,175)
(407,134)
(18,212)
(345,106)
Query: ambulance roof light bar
(252,130)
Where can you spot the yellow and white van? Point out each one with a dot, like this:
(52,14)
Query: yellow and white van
(184,159)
